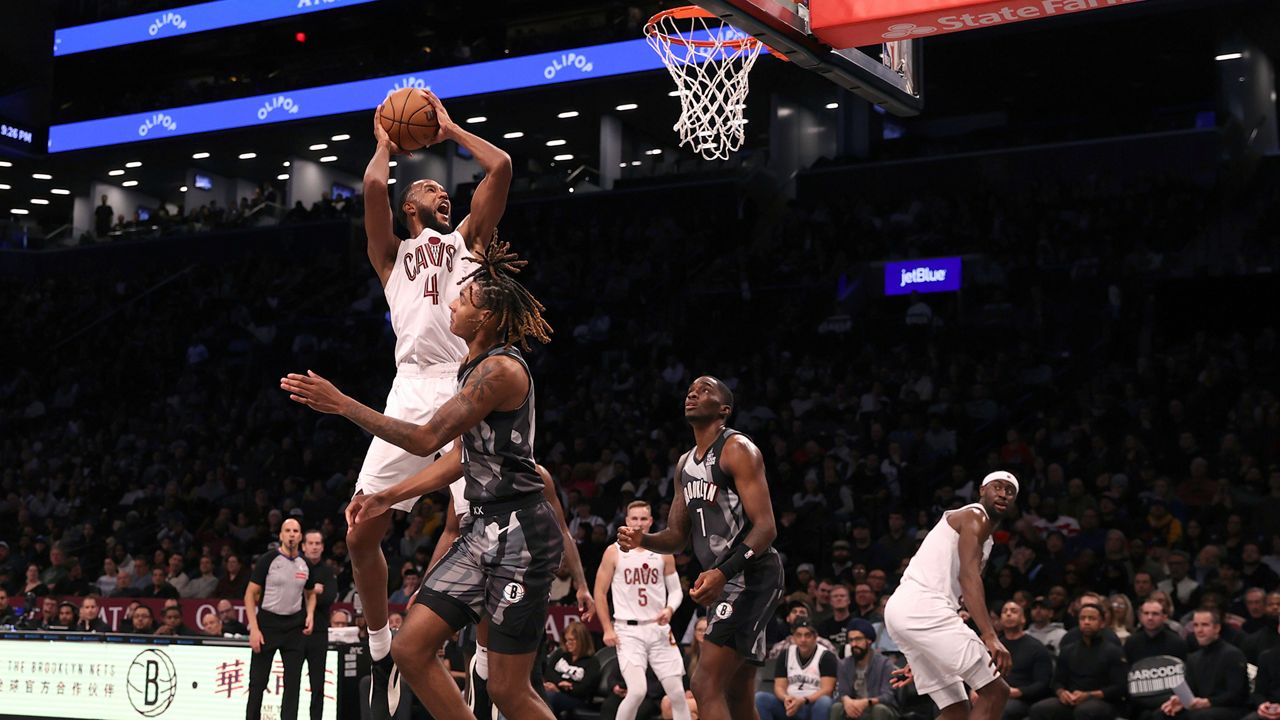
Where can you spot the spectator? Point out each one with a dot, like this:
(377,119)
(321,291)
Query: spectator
(142,622)
(234,580)
(205,584)
(211,625)
(1043,628)
(64,617)
(803,680)
(691,655)
(868,605)
(1032,672)
(571,674)
(1089,681)
(89,620)
(796,610)
(7,615)
(1253,571)
(34,585)
(1216,674)
(107,580)
(1266,692)
(837,624)
(409,586)
(102,216)
(230,617)
(1254,611)
(177,578)
(1266,637)
(1153,637)
(171,623)
(339,619)
(160,587)
(1121,616)
(1183,590)
(862,680)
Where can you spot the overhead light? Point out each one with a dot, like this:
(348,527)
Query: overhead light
(512,135)
(570,190)
(4,187)
(832,106)
(556,143)
(199,156)
(129,183)
(182,189)
(391,181)
(39,201)
(561,158)
(20,211)
(328,158)
(133,164)
(284,164)
(282,176)
(635,162)
(568,114)
(1228,56)
(248,155)
(60,191)
(476,120)
(41,176)
(340,138)
(319,146)
(5,163)
(115,173)
(622,165)
(393,163)
(627,106)
(674,93)
(655,151)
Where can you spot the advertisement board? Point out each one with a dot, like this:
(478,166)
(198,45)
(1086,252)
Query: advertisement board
(922,276)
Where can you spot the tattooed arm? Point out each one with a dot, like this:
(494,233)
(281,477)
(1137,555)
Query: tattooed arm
(498,383)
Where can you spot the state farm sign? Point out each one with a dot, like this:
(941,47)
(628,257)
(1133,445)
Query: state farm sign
(852,23)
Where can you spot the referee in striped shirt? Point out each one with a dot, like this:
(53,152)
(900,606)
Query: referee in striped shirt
(280,605)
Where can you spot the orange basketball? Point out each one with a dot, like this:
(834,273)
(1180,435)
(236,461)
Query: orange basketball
(408,118)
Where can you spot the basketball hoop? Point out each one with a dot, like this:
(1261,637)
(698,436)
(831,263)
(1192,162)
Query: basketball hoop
(709,60)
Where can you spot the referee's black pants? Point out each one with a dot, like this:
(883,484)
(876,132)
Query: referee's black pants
(283,633)
(317,651)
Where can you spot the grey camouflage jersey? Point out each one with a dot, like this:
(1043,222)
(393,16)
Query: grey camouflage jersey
(715,509)
(497,454)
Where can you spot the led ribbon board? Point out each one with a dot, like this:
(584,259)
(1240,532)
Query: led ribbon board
(922,276)
(183,21)
(594,61)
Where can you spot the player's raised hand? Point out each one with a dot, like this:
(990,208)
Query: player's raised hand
(708,587)
(628,539)
(447,126)
(380,133)
(901,677)
(314,391)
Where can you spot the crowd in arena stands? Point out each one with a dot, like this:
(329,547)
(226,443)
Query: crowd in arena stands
(153,456)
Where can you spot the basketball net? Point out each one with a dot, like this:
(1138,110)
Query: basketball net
(709,61)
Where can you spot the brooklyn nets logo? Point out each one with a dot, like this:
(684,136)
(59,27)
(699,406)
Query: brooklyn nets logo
(724,610)
(152,682)
(513,593)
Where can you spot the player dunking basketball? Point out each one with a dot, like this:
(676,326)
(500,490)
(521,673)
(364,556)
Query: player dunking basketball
(646,593)
(504,565)
(420,279)
(723,502)
(923,614)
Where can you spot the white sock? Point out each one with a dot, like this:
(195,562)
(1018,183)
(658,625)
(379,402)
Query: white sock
(482,662)
(675,692)
(379,643)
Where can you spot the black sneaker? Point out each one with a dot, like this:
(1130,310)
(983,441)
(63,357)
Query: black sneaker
(478,694)
(384,689)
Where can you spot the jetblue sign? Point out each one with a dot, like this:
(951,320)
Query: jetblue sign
(922,276)
(595,61)
(183,21)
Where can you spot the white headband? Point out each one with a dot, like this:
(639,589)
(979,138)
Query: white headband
(1001,475)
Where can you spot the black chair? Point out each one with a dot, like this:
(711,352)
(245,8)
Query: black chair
(607,659)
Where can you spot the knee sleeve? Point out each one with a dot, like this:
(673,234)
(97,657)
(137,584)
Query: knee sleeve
(637,684)
(675,693)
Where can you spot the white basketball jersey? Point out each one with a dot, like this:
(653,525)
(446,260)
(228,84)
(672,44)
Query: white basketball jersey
(423,281)
(804,680)
(639,588)
(460,504)
(935,568)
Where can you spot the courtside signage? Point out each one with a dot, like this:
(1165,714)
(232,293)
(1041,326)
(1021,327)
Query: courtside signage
(850,23)
(922,276)
(551,68)
(183,21)
(126,681)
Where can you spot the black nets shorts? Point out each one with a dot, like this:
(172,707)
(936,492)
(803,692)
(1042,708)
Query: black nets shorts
(738,619)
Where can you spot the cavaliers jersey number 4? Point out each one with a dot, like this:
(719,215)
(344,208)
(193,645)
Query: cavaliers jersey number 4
(715,509)
(423,282)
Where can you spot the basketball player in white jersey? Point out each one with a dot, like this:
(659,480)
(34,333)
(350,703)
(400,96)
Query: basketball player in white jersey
(923,614)
(646,593)
(420,278)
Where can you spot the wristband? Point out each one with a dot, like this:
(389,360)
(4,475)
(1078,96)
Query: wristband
(735,560)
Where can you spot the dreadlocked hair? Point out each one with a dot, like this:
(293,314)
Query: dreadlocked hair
(519,313)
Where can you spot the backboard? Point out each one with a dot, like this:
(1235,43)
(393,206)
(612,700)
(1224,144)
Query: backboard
(887,74)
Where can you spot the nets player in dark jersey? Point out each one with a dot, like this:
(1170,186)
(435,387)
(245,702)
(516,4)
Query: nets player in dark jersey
(722,502)
(504,565)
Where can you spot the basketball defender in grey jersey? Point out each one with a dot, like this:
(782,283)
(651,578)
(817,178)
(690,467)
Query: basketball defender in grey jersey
(722,504)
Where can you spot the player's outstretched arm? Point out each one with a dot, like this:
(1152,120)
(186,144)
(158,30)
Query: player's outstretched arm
(604,578)
(378,225)
(497,382)
(573,560)
(974,528)
(490,199)
(435,476)
(676,535)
